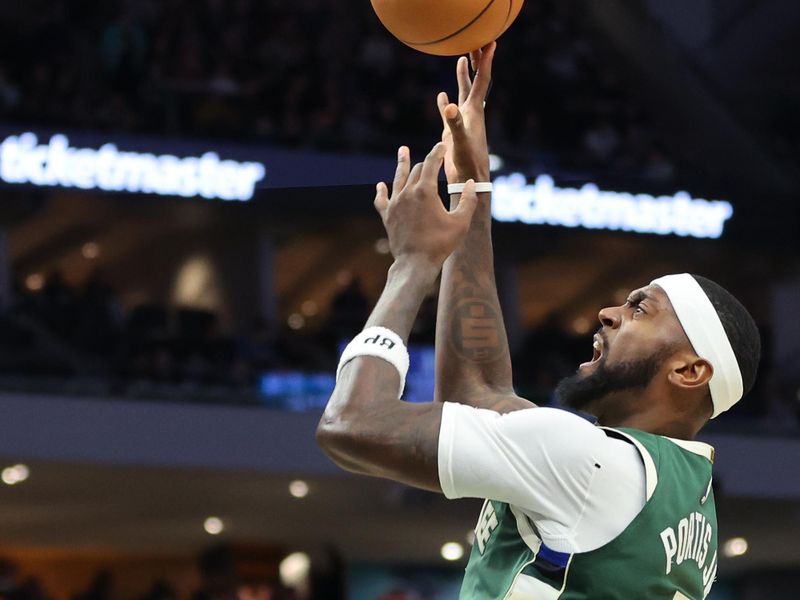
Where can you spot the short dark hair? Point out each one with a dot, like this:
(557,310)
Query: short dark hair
(740,327)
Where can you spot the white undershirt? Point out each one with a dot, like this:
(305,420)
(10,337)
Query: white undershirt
(580,487)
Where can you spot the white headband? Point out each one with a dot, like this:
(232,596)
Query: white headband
(704,329)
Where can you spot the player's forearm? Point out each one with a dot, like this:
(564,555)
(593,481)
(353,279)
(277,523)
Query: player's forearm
(365,427)
(473,360)
(407,284)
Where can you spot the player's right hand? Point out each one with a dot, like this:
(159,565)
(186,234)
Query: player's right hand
(417,224)
(464,123)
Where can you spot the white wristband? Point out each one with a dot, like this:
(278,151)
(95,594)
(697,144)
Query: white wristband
(380,343)
(481,186)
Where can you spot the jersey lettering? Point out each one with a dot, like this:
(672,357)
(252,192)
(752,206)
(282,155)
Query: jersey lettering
(691,542)
(487,523)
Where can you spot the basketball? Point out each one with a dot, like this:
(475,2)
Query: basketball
(447,27)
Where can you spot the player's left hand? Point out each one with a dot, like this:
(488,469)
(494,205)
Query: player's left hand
(465,123)
(418,225)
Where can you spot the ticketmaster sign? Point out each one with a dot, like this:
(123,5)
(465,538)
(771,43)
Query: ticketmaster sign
(182,168)
(543,203)
(23,160)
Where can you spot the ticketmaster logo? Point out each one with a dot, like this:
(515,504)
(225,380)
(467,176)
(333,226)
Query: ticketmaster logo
(543,203)
(24,160)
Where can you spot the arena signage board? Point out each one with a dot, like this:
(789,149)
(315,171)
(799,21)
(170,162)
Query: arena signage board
(23,160)
(228,172)
(173,166)
(544,203)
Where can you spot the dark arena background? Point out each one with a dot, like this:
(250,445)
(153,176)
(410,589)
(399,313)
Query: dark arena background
(187,241)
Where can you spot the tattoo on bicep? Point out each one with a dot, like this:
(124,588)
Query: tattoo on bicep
(476,330)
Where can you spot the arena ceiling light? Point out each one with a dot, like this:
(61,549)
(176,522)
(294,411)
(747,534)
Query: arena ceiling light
(735,547)
(298,488)
(16,474)
(452,551)
(213,526)
(294,569)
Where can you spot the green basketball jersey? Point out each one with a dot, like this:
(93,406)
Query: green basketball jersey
(669,551)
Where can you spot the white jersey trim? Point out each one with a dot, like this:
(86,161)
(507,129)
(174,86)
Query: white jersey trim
(526,530)
(698,448)
(526,587)
(650,471)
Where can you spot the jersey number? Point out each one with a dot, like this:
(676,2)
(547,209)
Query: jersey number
(487,523)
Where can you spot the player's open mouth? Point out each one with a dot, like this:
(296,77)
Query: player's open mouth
(597,354)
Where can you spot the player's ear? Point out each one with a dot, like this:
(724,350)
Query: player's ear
(690,372)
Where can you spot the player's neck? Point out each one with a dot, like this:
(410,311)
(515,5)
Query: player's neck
(659,426)
(638,411)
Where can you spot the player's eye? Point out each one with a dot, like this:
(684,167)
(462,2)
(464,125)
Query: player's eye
(636,305)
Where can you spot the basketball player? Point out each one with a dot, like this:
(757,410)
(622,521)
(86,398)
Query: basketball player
(621,509)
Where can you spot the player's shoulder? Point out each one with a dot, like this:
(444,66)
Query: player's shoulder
(559,431)
(553,420)
(562,432)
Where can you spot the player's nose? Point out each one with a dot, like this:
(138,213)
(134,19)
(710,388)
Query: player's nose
(610,316)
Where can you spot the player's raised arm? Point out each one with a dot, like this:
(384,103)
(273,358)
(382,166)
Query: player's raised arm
(366,427)
(473,362)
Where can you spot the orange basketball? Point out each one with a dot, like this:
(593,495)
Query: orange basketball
(447,27)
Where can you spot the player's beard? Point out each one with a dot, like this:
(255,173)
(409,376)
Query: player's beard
(579,391)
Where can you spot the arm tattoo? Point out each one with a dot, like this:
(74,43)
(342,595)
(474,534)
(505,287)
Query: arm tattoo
(474,330)
(472,345)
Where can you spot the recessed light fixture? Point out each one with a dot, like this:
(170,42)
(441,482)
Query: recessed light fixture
(16,474)
(294,569)
(452,551)
(213,525)
(298,488)
(734,547)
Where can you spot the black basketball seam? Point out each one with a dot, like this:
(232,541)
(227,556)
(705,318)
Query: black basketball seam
(508,16)
(455,33)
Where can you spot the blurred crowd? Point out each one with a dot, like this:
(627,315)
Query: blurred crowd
(77,337)
(222,575)
(316,73)
(78,340)
(80,334)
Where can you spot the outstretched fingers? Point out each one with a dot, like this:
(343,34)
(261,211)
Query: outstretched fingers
(381,199)
(483,73)
(442,101)
(474,59)
(429,173)
(455,123)
(402,172)
(464,80)
(415,175)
